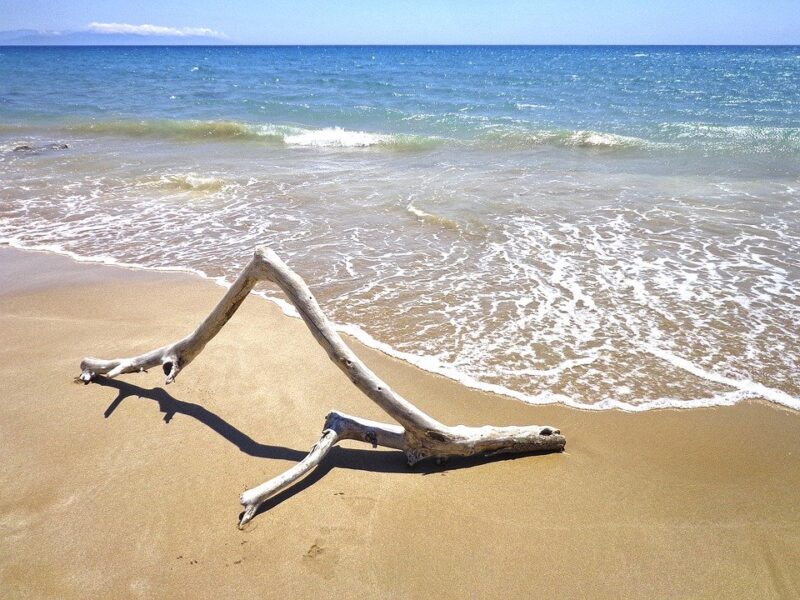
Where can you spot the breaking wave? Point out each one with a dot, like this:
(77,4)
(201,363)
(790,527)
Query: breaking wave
(749,139)
(431,218)
(675,136)
(192,182)
(514,138)
(338,137)
(286,135)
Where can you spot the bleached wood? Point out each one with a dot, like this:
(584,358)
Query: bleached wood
(419,435)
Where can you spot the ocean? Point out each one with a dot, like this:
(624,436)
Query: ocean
(606,227)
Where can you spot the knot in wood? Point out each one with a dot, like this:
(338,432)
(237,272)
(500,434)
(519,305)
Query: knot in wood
(371,438)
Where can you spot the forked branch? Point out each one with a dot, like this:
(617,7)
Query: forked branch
(419,436)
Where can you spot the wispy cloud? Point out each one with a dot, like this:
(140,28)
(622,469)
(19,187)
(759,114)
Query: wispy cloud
(147,29)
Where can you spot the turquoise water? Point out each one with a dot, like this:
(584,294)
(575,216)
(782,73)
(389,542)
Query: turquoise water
(737,99)
(601,226)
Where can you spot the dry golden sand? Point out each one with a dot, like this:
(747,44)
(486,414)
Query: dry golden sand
(129,489)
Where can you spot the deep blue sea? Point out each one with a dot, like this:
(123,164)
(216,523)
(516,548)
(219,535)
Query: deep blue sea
(608,227)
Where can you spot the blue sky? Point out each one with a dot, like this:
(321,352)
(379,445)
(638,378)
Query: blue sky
(431,21)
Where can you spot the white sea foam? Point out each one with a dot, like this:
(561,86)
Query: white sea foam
(338,137)
(417,212)
(205,130)
(431,218)
(747,387)
(599,139)
(543,287)
(523,256)
(335,137)
(744,389)
(193,181)
(736,138)
(105,259)
(523,136)
(527,105)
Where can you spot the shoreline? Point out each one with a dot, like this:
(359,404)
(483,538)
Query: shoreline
(745,390)
(128,488)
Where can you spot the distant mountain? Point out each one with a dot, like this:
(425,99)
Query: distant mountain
(31,37)
(6,36)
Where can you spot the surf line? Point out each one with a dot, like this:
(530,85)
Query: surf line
(746,385)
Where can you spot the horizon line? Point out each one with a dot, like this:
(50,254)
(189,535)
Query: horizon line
(379,45)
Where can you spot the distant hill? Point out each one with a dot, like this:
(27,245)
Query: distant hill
(31,37)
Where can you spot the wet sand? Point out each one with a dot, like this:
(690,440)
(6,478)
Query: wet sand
(130,489)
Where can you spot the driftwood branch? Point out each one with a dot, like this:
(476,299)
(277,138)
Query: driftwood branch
(419,435)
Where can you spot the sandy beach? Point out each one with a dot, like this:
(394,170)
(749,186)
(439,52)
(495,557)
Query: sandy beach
(126,488)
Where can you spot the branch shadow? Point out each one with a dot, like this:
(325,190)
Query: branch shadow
(376,461)
(171,406)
